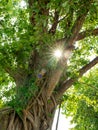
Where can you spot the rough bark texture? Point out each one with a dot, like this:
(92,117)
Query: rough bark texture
(38,116)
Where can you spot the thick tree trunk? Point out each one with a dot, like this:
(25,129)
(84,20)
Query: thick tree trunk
(38,116)
(12,121)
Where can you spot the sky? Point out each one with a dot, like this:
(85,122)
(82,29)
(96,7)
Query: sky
(64,123)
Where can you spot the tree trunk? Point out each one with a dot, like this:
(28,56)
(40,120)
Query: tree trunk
(37,116)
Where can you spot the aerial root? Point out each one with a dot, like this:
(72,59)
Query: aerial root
(11,122)
(29,117)
(25,123)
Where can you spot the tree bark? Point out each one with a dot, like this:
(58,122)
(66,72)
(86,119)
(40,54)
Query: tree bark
(38,117)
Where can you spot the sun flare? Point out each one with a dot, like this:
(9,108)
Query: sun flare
(58,53)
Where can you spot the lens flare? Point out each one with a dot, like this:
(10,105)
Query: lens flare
(58,53)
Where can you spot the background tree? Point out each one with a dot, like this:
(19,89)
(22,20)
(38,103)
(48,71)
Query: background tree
(31,77)
(84,96)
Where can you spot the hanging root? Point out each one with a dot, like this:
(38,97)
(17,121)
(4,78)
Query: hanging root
(11,123)
(24,120)
(36,117)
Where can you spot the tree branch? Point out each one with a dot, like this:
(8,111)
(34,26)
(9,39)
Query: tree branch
(61,19)
(42,10)
(77,26)
(80,36)
(55,23)
(68,83)
(74,36)
(87,33)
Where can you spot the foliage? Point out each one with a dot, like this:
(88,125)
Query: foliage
(82,102)
(19,101)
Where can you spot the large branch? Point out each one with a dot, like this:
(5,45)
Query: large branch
(77,25)
(54,79)
(67,84)
(80,36)
(87,33)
